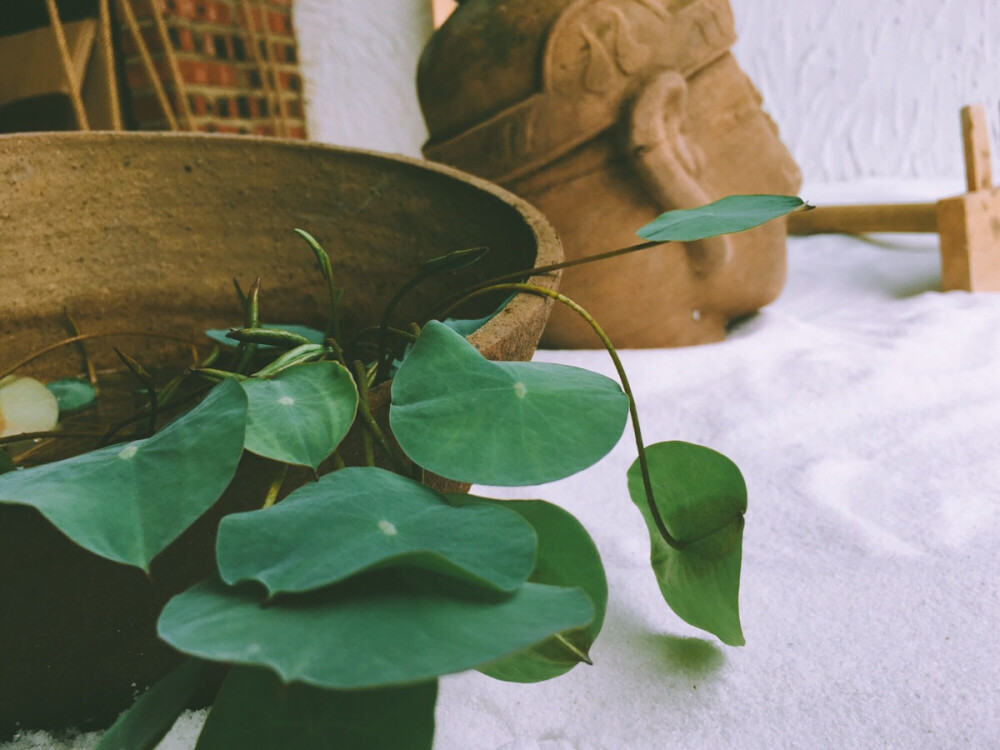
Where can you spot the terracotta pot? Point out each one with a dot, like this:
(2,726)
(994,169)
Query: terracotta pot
(605,113)
(147,231)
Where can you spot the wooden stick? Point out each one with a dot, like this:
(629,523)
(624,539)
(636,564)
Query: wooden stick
(268,46)
(79,112)
(175,70)
(108,53)
(976,140)
(261,70)
(147,62)
(900,217)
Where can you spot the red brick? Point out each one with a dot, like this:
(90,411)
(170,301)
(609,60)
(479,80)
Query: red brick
(186,39)
(195,71)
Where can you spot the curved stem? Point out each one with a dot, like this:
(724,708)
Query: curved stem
(450,303)
(647,484)
(383,326)
(86,336)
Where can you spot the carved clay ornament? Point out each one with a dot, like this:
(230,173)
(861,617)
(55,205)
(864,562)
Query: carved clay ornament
(604,114)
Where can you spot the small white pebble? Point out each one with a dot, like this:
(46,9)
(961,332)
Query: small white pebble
(696,315)
(387,528)
(26,406)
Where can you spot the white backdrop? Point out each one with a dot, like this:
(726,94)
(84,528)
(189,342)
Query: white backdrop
(860,88)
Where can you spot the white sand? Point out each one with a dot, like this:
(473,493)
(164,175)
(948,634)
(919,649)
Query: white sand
(864,410)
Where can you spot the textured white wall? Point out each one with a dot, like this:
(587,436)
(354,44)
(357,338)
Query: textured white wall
(872,87)
(858,87)
(359,62)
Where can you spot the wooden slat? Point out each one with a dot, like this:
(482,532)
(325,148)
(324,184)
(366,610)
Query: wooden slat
(899,217)
(976,139)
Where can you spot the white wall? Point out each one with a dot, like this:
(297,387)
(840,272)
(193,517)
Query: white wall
(858,87)
(873,87)
(359,62)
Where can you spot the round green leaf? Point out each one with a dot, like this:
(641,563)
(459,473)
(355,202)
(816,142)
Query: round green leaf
(301,415)
(358,518)
(701,496)
(387,627)
(128,502)
(500,423)
(567,557)
(734,213)
(72,394)
(256,711)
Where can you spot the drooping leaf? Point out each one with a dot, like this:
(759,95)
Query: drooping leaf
(701,497)
(567,557)
(256,711)
(500,423)
(734,213)
(387,627)
(128,502)
(72,394)
(453,261)
(221,335)
(149,719)
(359,518)
(301,415)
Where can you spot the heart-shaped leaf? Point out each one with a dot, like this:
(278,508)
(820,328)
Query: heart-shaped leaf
(387,627)
(567,557)
(256,711)
(72,394)
(221,335)
(734,213)
(128,502)
(301,415)
(358,518)
(150,718)
(701,497)
(500,423)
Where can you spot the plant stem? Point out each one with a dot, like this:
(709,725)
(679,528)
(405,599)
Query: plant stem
(275,487)
(383,327)
(371,426)
(88,363)
(361,376)
(539,291)
(86,337)
(147,381)
(46,435)
(450,303)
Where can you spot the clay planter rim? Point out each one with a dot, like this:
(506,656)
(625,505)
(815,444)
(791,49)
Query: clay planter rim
(486,338)
(79,579)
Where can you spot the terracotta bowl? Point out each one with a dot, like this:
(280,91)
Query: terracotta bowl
(146,231)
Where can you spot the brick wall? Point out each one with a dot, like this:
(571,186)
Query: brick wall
(228,88)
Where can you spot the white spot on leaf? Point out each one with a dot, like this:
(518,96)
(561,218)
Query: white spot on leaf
(286,401)
(387,528)
(520,390)
(128,451)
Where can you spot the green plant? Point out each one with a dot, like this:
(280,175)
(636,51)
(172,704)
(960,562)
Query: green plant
(340,606)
